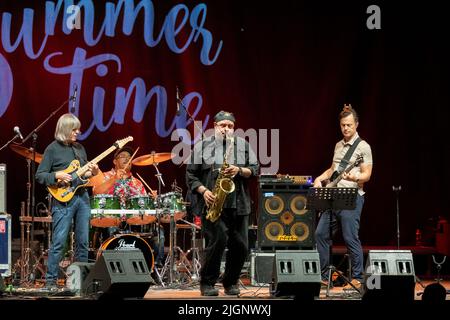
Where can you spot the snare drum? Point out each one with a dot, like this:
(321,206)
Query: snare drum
(129,242)
(172,203)
(140,204)
(104,219)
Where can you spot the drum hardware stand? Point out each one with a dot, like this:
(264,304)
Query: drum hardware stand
(26,255)
(158,207)
(195,260)
(397,194)
(169,265)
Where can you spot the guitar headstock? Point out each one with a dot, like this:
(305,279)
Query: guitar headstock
(120,143)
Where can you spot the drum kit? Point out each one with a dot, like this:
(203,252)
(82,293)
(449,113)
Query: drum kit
(106,212)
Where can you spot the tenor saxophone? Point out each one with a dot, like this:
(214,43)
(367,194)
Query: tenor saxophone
(224,185)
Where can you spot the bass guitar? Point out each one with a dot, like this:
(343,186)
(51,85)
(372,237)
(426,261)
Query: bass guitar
(334,180)
(64,191)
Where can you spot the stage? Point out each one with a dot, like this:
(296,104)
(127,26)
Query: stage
(192,292)
(187,303)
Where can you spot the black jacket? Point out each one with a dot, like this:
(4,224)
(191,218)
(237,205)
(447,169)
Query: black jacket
(203,169)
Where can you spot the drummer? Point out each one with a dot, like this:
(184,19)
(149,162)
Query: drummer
(120,182)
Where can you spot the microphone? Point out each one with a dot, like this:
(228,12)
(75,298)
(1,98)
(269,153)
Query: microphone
(74,98)
(17,132)
(178,101)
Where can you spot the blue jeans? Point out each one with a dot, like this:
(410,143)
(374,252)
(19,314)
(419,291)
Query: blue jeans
(349,220)
(78,209)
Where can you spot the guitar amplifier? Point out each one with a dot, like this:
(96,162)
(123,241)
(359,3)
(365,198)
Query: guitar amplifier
(5,245)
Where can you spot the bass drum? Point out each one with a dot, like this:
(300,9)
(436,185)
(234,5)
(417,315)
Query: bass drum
(129,242)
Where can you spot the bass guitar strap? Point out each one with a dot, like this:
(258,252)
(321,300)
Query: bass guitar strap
(346,160)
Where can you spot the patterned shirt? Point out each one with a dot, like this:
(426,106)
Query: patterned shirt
(125,188)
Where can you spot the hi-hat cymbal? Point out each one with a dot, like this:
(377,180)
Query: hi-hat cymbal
(27,153)
(149,159)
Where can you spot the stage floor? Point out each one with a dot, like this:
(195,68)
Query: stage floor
(263,292)
(192,292)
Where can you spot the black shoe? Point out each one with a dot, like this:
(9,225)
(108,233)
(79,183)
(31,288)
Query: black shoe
(232,290)
(208,290)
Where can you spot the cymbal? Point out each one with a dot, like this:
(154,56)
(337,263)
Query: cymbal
(149,159)
(27,153)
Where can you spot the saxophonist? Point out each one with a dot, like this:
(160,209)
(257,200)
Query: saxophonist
(230,230)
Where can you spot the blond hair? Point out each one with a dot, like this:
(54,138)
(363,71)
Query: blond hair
(66,124)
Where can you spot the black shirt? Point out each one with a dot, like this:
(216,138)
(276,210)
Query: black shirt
(205,163)
(58,156)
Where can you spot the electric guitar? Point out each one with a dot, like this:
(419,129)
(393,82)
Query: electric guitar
(64,191)
(335,180)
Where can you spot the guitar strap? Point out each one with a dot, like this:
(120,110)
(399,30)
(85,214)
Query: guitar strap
(77,155)
(346,160)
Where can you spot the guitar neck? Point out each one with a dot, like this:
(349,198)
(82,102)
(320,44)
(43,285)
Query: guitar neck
(96,160)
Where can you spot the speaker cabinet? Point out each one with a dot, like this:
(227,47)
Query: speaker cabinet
(261,268)
(119,273)
(77,273)
(389,275)
(3,208)
(2,285)
(284,221)
(296,273)
(5,245)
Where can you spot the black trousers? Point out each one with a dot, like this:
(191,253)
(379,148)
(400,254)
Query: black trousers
(230,231)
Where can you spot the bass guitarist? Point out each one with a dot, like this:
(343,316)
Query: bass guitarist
(349,151)
(57,157)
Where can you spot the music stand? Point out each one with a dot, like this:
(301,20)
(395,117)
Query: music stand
(325,199)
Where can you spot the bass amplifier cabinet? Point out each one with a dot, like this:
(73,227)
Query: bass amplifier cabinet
(284,221)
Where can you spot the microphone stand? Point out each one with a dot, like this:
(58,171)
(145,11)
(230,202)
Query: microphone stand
(397,192)
(34,135)
(9,142)
(193,121)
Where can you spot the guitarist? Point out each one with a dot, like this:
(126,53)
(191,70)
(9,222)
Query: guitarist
(57,157)
(349,220)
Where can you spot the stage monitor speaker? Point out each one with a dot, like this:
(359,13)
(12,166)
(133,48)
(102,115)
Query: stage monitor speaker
(3,188)
(284,223)
(389,276)
(77,273)
(119,273)
(2,285)
(296,273)
(261,268)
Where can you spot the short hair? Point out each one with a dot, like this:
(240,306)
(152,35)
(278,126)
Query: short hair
(348,110)
(66,124)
